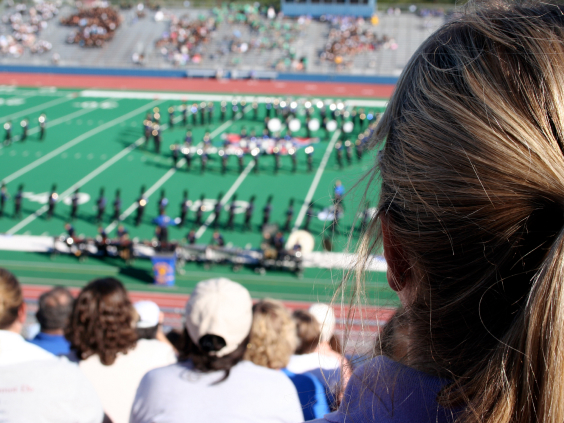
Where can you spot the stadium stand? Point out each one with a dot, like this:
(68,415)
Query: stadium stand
(241,39)
(96,26)
(26,25)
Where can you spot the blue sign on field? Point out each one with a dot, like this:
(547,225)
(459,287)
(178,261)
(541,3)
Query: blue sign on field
(163,269)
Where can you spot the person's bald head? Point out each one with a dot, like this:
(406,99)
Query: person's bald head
(54,309)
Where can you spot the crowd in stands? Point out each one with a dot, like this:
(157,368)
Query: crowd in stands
(233,361)
(26,25)
(245,28)
(349,37)
(186,39)
(96,26)
(262,30)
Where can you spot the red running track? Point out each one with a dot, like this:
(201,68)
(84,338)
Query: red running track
(314,89)
(174,304)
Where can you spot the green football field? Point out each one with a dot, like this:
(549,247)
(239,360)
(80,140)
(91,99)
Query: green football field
(94,140)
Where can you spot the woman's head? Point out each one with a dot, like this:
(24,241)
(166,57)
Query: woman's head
(11,299)
(102,321)
(308,331)
(472,209)
(273,336)
(218,321)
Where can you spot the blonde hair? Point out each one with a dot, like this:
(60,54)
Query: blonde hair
(472,190)
(11,298)
(273,335)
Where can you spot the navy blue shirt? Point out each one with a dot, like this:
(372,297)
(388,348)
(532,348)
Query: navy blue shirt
(55,344)
(385,391)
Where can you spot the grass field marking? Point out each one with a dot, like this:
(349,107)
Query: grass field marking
(188,97)
(316,180)
(148,194)
(83,181)
(78,184)
(21,91)
(227,196)
(170,173)
(55,122)
(76,141)
(69,268)
(42,107)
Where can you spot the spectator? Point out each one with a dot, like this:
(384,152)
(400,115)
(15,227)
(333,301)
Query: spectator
(149,328)
(273,340)
(103,339)
(314,354)
(97,25)
(26,26)
(36,386)
(470,217)
(53,313)
(349,37)
(213,383)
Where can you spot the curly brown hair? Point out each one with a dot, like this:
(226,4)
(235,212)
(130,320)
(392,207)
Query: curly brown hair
(102,321)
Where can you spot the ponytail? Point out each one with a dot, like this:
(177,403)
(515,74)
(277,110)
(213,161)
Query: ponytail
(472,179)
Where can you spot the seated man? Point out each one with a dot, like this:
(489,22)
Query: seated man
(52,315)
(36,386)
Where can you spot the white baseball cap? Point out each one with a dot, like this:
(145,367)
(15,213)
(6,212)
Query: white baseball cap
(220,307)
(326,318)
(148,312)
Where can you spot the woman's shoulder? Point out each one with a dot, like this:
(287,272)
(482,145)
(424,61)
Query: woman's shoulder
(392,392)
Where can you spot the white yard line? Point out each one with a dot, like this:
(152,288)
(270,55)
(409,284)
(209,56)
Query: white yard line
(76,141)
(227,196)
(316,180)
(78,184)
(42,91)
(148,193)
(193,97)
(41,107)
(169,175)
(54,122)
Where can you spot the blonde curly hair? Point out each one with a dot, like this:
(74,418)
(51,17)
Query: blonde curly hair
(273,336)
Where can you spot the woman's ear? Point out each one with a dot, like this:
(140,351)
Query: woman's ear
(399,269)
(22,313)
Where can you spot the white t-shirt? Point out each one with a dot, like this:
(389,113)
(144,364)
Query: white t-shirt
(36,386)
(116,384)
(307,362)
(251,394)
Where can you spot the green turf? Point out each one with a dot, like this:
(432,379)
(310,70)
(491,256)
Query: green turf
(77,116)
(316,284)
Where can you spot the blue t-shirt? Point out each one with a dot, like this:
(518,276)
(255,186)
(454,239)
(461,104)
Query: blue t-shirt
(55,344)
(385,391)
(311,393)
(340,190)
